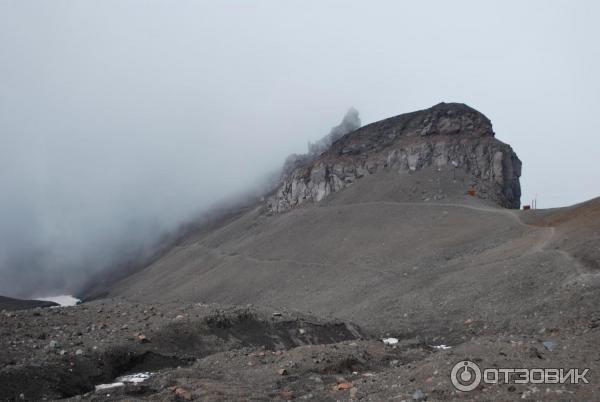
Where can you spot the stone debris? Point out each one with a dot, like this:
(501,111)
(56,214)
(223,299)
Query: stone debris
(419,395)
(141,338)
(182,394)
(550,346)
(343,386)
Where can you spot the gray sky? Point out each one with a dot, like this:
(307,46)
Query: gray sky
(123,118)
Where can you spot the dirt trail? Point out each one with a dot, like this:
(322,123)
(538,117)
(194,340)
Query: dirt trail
(496,210)
(547,232)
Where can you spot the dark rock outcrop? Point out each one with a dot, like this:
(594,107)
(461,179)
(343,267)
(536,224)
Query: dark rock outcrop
(349,123)
(445,136)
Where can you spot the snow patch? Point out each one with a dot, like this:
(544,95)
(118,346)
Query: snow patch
(135,378)
(109,386)
(125,379)
(63,300)
(390,341)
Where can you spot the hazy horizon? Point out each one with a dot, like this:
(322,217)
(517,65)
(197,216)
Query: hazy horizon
(120,120)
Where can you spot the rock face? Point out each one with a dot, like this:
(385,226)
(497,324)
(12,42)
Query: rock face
(445,136)
(350,122)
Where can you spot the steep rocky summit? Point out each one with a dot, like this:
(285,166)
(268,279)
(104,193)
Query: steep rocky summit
(445,137)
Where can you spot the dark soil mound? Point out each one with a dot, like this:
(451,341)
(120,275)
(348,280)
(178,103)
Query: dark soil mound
(10,304)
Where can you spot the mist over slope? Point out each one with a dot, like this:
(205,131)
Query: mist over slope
(74,207)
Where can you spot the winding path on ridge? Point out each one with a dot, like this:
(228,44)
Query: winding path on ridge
(547,234)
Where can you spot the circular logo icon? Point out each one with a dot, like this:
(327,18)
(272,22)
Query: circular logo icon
(465,376)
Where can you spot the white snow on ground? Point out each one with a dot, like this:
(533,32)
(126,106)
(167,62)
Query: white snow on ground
(394,341)
(135,378)
(109,386)
(63,300)
(390,341)
(126,379)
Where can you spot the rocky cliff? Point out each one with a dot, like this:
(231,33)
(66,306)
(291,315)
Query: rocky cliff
(447,136)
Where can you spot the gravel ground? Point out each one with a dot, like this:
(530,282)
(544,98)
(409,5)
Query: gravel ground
(228,353)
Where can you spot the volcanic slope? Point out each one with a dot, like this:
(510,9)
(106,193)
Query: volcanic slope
(402,251)
(394,266)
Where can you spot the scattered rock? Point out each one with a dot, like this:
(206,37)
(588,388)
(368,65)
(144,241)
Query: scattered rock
(533,352)
(343,386)
(419,395)
(183,394)
(316,379)
(550,346)
(282,372)
(142,338)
